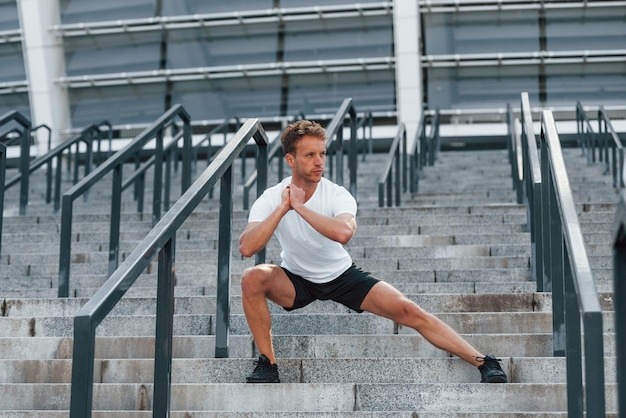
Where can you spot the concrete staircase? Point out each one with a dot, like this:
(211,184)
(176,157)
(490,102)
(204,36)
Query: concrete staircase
(459,248)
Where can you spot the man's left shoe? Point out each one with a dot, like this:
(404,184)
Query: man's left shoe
(490,370)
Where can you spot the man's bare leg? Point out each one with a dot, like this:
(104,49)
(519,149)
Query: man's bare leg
(385,300)
(258,284)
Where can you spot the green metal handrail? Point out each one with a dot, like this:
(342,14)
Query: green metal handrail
(3,167)
(619,297)
(275,151)
(574,294)
(161,241)
(335,144)
(531,190)
(114,165)
(366,123)
(424,149)
(612,144)
(139,176)
(25,139)
(390,176)
(514,148)
(223,128)
(586,137)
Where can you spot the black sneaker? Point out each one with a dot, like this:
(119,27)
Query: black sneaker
(264,372)
(490,371)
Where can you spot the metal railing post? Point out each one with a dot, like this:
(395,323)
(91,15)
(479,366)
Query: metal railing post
(116,215)
(574,295)
(3,165)
(157,187)
(223,265)
(619,299)
(261,184)
(65,246)
(164,331)
(24,160)
(531,173)
(353,160)
(82,367)
(573,360)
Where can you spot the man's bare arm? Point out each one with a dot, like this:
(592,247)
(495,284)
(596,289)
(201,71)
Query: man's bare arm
(341,228)
(257,234)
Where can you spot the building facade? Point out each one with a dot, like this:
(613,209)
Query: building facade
(70,63)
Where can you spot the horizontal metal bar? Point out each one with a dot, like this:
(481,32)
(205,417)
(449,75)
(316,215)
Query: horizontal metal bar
(12,87)
(450,6)
(10,36)
(523,58)
(224,19)
(233,71)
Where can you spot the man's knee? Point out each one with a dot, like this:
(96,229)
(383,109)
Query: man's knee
(253,279)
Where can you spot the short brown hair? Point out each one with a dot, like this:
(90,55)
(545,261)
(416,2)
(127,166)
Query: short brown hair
(297,130)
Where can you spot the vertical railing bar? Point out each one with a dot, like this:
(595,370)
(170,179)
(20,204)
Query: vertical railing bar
(158,178)
(594,365)
(556,272)
(24,160)
(573,361)
(65,246)
(3,166)
(398,175)
(261,183)
(82,368)
(545,213)
(353,152)
(223,265)
(187,154)
(116,213)
(619,298)
(339,155)
(164,330)
(168,176)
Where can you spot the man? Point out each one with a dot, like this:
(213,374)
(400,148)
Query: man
(313,218)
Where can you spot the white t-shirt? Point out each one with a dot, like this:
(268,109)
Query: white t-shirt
(304,251)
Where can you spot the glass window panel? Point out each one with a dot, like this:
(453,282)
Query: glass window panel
(224,98)
(112,54)
(15,102)
(591,83)
(232,45)
(476,87)
(11,63)
(190,7)
(323,93)
(484,32)
(118,105)
(9,19)
(76,11)
(586,28)
(338,39)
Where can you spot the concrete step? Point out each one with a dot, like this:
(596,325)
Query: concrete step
(287,346)
(520,302)
(288,397)
(297,370)
(300,324)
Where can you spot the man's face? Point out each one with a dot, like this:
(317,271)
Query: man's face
(309,160)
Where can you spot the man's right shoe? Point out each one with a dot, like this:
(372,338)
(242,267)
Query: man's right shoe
(264,372)
(490,370)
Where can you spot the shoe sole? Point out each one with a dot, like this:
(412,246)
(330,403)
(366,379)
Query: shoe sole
(497,379)
(262,381)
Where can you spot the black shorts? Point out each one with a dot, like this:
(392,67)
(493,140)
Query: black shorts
(349,289)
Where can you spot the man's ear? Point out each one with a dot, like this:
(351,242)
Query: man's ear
(290,159)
